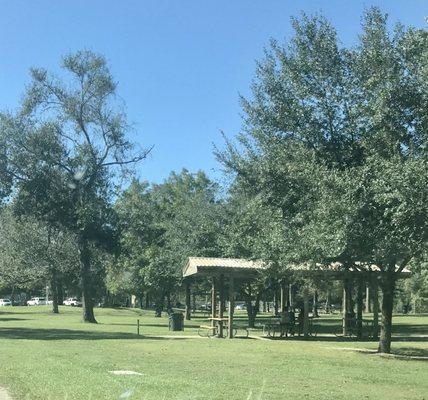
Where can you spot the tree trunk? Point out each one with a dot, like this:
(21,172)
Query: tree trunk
(194,302)
(252,313)
(346,305)
(328,302)
(60,291)
(168,303)
(159,304)
(375,300)
(275,300)
(305,313)
(315,305)
(188,305)
(54,289)
(360,308)
(388,287)
(85,279)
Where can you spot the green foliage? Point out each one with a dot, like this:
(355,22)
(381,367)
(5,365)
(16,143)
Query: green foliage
(65,148)
(30,251)
(335,139)
(161,225)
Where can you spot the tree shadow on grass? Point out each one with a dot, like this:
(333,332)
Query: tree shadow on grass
(411,351)
(341,339)
(415,329)
(13,319)
(71,334)
(142,325)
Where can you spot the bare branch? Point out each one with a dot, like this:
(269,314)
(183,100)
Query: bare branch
(131,161)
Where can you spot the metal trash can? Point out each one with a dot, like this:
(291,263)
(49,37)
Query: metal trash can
(176,322)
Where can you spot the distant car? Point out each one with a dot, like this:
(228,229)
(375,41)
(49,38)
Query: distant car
(240,307)
(37,301)
(205,307)
(73,302)
(5,303)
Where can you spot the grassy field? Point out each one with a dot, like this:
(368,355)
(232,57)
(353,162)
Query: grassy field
(45,356)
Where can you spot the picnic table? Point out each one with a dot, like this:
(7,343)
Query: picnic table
(213,329)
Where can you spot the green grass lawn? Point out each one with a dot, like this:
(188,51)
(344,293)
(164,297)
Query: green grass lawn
(45,356)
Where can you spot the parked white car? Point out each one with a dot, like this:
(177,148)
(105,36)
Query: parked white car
(5,303)
(73,302)
(37,301)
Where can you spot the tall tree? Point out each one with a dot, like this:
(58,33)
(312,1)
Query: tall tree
(161,225)
(336,139)
(64,150)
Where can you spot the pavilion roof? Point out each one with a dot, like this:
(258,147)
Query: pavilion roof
(230,266)
(239,267)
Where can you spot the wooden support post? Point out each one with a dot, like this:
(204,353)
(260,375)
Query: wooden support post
(375,298)
(231,307)
(220,305)
(138,327)
(367,298)
(287,297)
(213,301)
(328,302)
(264,306)
(305,313)
(360,307)
(188,305)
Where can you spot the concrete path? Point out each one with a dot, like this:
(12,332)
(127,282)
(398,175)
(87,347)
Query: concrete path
(4,395)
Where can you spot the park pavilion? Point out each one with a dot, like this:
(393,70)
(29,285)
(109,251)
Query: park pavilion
(224,273)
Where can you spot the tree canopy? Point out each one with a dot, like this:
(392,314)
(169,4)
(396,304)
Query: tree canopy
(335,139)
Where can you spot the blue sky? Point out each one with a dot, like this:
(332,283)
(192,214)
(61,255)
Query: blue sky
(180,64)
